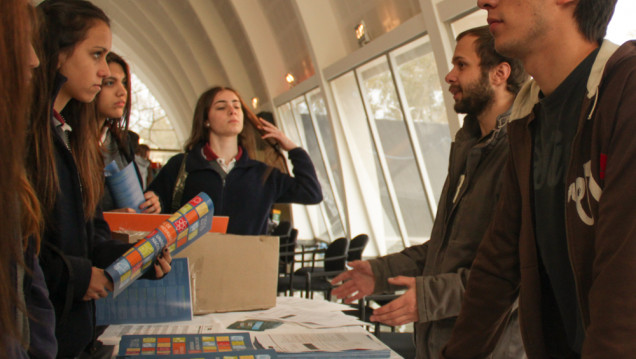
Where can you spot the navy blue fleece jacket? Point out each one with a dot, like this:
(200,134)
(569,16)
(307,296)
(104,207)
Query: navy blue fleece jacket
(242,195)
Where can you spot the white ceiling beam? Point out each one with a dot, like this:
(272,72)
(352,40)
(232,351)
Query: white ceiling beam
(233,67)
(261,38)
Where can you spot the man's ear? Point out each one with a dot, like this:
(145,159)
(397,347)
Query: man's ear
(500,73)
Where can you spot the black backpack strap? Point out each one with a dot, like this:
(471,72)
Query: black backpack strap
(179,185)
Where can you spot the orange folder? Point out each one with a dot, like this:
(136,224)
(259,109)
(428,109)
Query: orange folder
(143,222)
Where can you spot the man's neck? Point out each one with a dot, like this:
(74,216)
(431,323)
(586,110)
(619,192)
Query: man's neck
(552,64)
(224,147)
(488,118)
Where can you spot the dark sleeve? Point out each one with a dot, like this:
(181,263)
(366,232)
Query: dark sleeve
(14,348)
(304,187)
(163,183)
(41,316)
(612,312)
(410,262)
(105,249)
(493,286)
(62,270)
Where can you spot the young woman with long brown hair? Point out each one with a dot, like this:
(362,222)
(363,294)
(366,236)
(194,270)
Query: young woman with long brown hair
(222,159)
(66,168)
(117,142)
(26,314)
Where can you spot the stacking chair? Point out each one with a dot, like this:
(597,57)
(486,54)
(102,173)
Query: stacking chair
(283,229)
(356,247)
(312,277)
(287,254)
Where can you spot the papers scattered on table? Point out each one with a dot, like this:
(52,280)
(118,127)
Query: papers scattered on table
(315,305)
(308,319)
(308,313)
(324,345)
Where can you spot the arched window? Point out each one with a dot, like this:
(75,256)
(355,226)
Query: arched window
(149,120)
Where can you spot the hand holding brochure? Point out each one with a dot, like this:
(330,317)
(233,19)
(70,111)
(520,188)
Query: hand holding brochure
(124,186)
(186,225)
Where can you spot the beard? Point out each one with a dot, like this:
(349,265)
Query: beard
(476,97)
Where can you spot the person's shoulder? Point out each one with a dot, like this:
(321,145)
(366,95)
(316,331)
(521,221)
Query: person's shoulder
(622,59)
(174,161)
(628,49)
(176,158)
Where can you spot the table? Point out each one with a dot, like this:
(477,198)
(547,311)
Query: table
(218,322)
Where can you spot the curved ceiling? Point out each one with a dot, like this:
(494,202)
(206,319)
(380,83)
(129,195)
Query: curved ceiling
(179,48)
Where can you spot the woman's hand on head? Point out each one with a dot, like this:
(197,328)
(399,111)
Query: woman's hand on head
(99,286)
(271,131)
(152,204)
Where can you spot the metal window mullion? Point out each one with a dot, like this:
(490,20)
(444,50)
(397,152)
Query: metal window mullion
(383,164)
(303,143)
(325,159)
(415,143)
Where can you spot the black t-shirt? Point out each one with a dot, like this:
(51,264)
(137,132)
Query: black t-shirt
(557,117)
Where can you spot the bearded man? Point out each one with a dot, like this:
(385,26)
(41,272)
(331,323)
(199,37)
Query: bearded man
(484,85)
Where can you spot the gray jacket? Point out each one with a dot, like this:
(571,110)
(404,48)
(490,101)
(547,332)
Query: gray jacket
(442,264)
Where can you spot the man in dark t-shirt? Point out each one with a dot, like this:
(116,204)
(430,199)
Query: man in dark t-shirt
(555,125)
(563,233)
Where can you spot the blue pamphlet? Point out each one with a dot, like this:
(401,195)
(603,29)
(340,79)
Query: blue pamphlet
(124,186)
(150,301)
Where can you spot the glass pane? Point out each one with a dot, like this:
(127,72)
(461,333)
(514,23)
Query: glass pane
(148,119)
(371,181)
(306,129)
(301,214)
(417,76)
(380,94)
(288,123)
(622,26)
(323,122)
(475,19)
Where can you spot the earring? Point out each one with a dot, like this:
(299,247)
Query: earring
(207,124)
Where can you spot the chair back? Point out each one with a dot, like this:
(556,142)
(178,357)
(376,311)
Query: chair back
(356,247)
(287,247)
(283,229)
(336,255)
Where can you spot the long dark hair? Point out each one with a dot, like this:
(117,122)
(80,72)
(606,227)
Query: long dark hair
(17,203)
(118,127)
(249,138)
(64,24)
